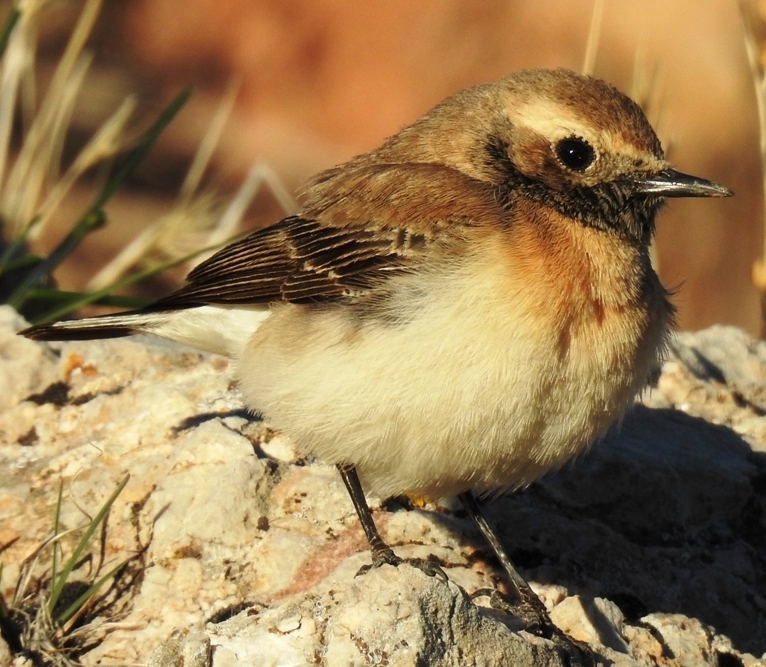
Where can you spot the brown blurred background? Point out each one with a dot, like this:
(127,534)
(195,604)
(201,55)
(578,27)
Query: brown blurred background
(327,79)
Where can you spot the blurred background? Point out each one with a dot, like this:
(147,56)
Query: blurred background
(321,81)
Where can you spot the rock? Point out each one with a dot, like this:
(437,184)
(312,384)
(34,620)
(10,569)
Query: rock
(186,647)
(388,617)
(652,548)
(25,366)
(596,621)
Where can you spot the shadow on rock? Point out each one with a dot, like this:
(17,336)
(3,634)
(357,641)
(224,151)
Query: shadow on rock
(666,514)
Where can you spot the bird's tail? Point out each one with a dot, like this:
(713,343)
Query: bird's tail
(221,329)
(103,326)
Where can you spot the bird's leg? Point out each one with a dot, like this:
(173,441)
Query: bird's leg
(382,554)
(518,582)
(530,606)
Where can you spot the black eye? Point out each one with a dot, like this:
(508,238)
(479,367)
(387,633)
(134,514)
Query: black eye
(576,154)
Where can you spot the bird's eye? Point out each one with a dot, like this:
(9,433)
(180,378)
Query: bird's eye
(575,153)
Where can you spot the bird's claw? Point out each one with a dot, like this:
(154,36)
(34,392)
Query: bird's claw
(388,557)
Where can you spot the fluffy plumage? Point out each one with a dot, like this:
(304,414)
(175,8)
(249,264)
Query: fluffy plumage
(466,307)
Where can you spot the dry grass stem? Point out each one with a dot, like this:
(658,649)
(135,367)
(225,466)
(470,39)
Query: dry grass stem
(197,219)
(31,187)
(107,141)
(17,63)
(755,44)
(183,228)
(209,142)
(31,171)
(594,34)
(260,174)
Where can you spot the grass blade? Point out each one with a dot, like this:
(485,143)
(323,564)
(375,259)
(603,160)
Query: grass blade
(92,220)
(95,217)
(58,585)
(105,143)
(19,263)
(10,24)
(73,608)
(142,148)
(88,299)
(54,296)
(56,525)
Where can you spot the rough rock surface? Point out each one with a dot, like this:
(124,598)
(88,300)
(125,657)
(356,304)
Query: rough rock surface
(651,549)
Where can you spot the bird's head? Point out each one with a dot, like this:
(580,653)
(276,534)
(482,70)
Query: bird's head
(564,140)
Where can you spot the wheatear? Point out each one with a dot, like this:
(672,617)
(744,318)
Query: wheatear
(458,311)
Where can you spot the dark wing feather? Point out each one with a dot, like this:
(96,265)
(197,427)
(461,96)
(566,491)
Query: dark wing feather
(296,260)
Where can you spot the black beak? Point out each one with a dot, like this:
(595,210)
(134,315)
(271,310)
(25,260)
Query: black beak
(672,183)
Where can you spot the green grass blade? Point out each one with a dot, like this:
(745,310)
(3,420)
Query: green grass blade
(58,585)
(15,247)
(88,299)
(7,31)
(20,263)
(12,250)
(60,296)
(135,156)
(56,525)
(92,220)
(73,608)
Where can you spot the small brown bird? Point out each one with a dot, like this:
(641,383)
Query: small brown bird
(458,311)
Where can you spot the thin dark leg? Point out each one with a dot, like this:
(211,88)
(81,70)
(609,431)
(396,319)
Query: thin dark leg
(524,593)
(531,610)
(472,507)
(382,554)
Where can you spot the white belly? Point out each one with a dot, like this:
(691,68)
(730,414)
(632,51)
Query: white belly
(474,388)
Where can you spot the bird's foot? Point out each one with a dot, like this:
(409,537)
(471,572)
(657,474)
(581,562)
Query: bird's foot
(385,556)
(536,620)
(428,567)
(530,611)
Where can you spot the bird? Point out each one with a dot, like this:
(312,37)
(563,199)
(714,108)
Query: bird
(456,312)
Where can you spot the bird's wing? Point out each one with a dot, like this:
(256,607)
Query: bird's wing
(296,260)
(348,239)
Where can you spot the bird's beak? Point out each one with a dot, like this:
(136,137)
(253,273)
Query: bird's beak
(672,183)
